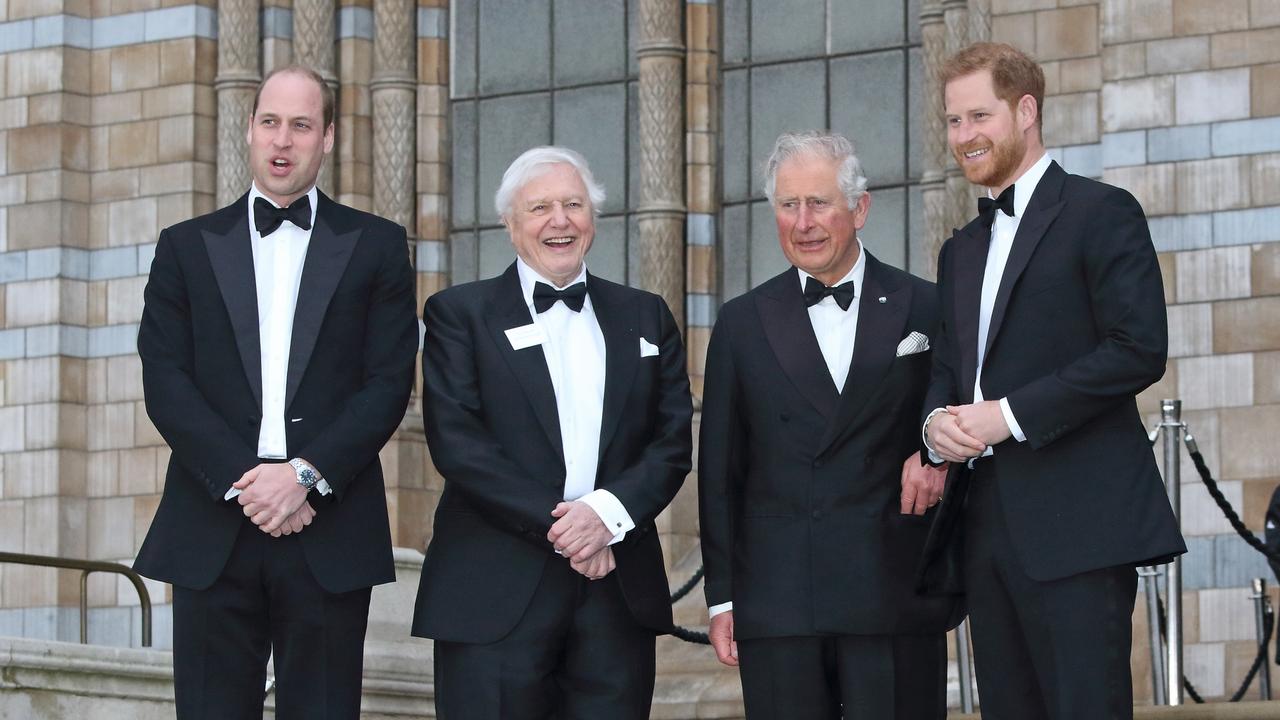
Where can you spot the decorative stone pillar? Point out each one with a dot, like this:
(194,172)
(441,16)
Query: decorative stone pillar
(239,72)
(313,45)
(661,214)
(393,88)
(933,181)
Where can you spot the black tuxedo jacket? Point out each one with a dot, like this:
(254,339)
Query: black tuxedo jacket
(350,373)
(494,434)
(799,484)
(1077,331)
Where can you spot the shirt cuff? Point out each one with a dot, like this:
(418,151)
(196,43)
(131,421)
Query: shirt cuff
(611,512)
(934,457)
(1011,421)
(715,610)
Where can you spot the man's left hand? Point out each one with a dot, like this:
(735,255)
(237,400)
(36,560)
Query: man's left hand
(578,533)
(922,485)
(597,567)
(270,494)
(983,421)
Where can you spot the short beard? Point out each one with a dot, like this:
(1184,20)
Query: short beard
(1006,155)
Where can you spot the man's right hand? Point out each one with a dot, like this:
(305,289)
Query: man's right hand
(721,636)
(300,518)
(950,442)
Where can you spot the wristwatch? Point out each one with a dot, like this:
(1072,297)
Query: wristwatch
(307,475)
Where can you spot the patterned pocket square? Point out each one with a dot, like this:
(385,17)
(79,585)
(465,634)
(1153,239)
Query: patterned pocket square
(916,342)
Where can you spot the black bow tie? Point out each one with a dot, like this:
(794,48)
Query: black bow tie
(814,291)
(544,296)
(267,217)
(987,207)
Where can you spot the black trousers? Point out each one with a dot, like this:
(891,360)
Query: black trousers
(266,599)
(877,677)
(1054,650)
(576,654)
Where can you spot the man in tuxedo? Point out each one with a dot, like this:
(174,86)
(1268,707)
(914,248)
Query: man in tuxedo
(1052,320)
(556,407)
(277,340)
(813,500)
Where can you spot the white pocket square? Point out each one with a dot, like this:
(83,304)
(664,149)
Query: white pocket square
(648,349)
(916,342)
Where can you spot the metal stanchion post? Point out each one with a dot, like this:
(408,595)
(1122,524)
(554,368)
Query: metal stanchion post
(1151,584)
(1259,598)
(965,666)
(1171,423)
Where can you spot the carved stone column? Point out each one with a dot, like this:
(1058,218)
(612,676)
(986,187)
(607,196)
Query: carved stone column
(393,89)
(960,202)
(313,45)
(933,182)
(661,214)
(239,72)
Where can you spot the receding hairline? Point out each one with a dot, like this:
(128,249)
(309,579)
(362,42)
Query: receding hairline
(328,109)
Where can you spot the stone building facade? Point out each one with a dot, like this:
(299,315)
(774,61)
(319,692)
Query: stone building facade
(120,117)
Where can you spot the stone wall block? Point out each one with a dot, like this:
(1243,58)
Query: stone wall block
(1200,17)
(1264,90)
(133,144)
(1246,325)
(1018,30)
(1072,120)
(1080,74)
(102,478)
(1126,61)
(1214,274)
(1246,48)
(1217,184)
(1154,186)
(1249,440)
(111,528)
(1139,103)
(1177,55)
(1266,269)
(1226,614)
(1190,330)
(33,72)
(1216,381)
(132,222)
(1266,378)
(135,67)
(1127,20)
(1212,95)
(1067,33)
(1263,13)
(138,472)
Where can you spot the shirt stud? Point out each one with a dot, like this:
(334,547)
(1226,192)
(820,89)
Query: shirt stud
(882,299)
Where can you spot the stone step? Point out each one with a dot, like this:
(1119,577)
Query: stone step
(1208,711)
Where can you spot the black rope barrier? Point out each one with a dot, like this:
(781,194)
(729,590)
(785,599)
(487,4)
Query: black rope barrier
(684,633)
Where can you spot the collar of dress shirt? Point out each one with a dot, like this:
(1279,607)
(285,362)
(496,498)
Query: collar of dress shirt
(855,274)
(254,194)
(1025,185)
(529,276)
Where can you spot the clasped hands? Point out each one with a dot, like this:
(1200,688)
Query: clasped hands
(271,497)
(582,537)
(966,431)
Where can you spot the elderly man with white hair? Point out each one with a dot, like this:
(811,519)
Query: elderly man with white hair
(814,502)
(556,407)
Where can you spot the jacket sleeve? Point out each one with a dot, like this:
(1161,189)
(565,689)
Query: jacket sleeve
(721,464)
(943,381)
(200,438)
(463,448)
(370,416)
(1126,297)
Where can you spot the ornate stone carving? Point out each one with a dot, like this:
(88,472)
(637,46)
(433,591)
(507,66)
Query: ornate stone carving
(979,20)
(239,72)
(394,91)
(662,211)
(314,45)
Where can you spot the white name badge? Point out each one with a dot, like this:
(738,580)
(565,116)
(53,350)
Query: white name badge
(525,336)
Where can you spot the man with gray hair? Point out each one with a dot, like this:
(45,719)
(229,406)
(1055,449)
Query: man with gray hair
(556,407)
(814,502)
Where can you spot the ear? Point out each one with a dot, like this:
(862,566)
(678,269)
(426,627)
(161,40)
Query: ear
(860,210)
(1027,111)
(328,139)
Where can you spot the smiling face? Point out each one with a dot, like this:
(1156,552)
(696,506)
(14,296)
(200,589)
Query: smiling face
(816,228)
(990,139)
(551,223)
(287,137)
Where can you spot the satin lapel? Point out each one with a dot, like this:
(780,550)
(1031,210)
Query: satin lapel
(328,253)
(790,334)
(970,262)
(231,256)
(616,315)
(1041,211)
(507,310)
(880,329)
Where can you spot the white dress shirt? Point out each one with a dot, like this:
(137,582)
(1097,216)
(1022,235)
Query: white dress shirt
(835,330)
(574,349)
(1003,231)
(277,273)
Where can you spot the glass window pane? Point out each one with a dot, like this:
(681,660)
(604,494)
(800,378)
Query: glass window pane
(462,257)
(783,98)
(608,255)
(734,133)
(784,29)
(885,232)
(496,252)
(735,252)
(515,45)
(591,120)
(508,127)
(868,105)
(462,64)
(590,41)
(859,25)
(767,259)
(463,195)
(734,20)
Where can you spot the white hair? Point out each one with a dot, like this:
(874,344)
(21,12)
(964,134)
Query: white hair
(535,162)
(816,143)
